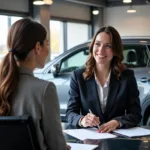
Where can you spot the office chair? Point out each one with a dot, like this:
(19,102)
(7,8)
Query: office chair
(17,133)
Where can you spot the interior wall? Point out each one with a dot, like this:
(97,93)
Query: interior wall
(136,24)
(63,9)
(42,15)
(15,5)
(97,21)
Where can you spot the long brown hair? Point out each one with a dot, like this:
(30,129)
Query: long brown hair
(117,48)
(22,37)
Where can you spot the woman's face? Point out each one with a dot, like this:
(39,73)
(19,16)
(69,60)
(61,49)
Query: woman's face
(102,49)
(43,54)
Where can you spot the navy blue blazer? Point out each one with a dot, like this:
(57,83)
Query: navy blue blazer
(123,102)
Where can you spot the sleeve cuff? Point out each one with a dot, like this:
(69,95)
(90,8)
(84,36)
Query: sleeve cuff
(121,125)
(79,122)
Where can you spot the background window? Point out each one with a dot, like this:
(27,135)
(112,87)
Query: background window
(65,35)
(56,38)
(14,19)
(77,33)
(3,35)
(6,22)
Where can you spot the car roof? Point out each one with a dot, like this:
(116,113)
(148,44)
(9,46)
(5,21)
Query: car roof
(136,40)
(133,40)
(125,40)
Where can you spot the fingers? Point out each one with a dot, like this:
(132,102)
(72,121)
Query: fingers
(109,126)
(90,120)
(68,147)
(93,119)
(104,128)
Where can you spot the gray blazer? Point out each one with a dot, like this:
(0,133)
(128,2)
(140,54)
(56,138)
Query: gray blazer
(38,98)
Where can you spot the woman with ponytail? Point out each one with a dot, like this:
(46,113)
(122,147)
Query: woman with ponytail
(22,93)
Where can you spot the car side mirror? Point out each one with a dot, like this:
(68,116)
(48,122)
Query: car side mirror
(86,52)
(55,69)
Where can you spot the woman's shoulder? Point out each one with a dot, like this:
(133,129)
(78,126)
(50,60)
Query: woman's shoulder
(79,71)
(42,83)
(127,73)
(43,87)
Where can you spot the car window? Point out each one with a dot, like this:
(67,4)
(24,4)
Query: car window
(74,61)
(135,56)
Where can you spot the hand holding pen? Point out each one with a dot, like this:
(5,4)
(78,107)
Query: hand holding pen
(90,120)
(98,126)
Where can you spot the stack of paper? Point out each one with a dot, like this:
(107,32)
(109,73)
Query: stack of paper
(77,146)
(133,132)
(90,133)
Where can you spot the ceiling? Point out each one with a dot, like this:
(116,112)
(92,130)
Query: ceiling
(110,3)
(120,2)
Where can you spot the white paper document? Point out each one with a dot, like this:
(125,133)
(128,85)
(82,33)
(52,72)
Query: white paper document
(133,132)
(90,133)
(77,146)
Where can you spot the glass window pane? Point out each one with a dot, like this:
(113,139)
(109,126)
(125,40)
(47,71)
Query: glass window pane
(6,22)
(3,35)
(56,38)
(77,33)
(14,19)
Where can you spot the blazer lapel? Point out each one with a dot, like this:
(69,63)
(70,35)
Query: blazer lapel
(113,90)
(93,98)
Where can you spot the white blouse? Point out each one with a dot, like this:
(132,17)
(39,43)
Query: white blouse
(103,91)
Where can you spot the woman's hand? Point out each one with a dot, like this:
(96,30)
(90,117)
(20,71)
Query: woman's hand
(109,126)
(90,120)
(68,147)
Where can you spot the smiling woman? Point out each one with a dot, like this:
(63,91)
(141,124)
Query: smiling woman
(104,86)
(102,50)
(106,40)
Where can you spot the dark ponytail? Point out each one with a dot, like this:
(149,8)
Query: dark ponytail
(22,37)
(8,82)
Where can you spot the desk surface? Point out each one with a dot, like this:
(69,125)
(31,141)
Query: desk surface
(119,143)
(124,144)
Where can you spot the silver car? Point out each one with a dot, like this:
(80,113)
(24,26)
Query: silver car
(136,56)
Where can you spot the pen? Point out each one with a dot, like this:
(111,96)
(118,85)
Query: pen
(92,113)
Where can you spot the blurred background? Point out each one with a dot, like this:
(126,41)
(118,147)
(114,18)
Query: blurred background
(72,22)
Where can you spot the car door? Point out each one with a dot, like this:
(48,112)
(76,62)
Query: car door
(136,57)
(67,65)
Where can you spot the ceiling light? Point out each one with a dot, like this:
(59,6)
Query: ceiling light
(38,2)
(131,10)
(147,2)
(127,1)
(95,11)
(48,2)
(143,41)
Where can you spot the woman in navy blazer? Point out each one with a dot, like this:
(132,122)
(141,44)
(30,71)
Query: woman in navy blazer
(104,92)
